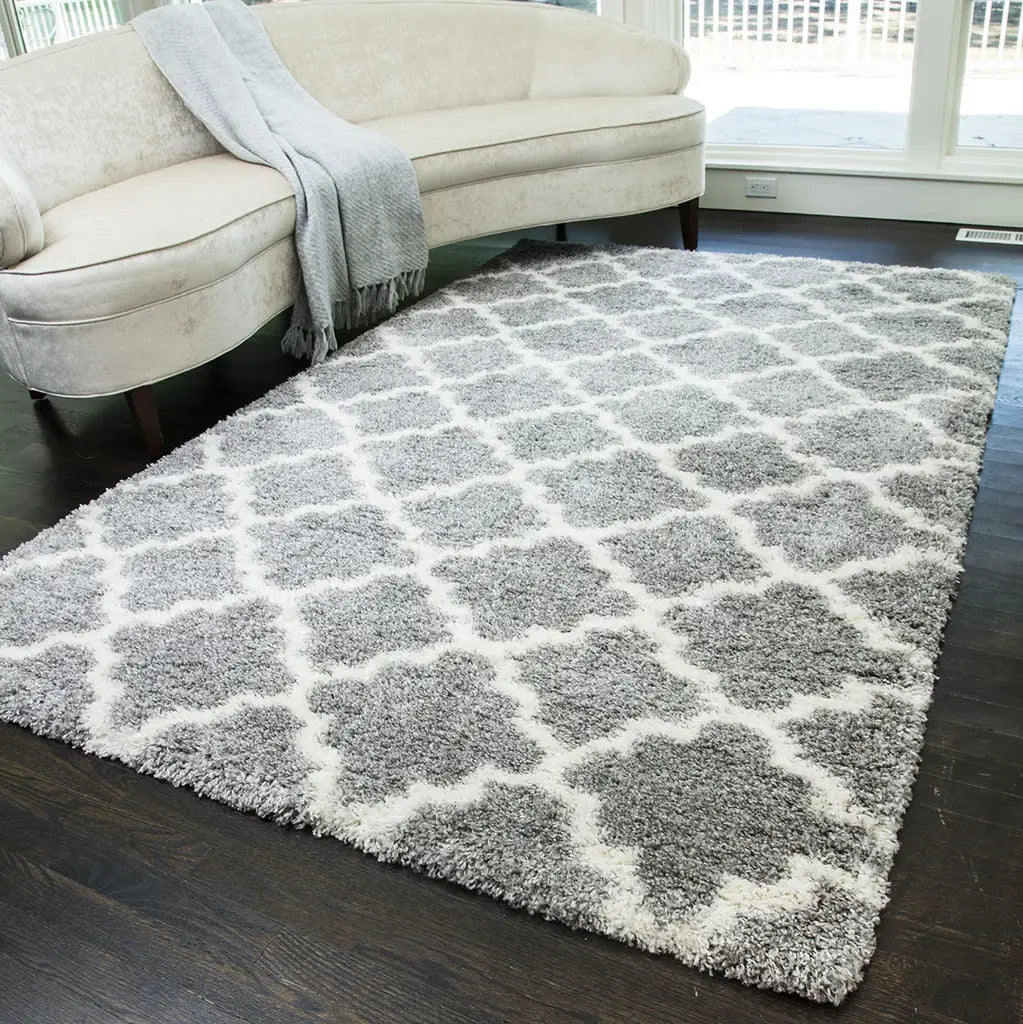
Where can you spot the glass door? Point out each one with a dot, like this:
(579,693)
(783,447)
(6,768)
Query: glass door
(32,24)
(819,73)
(991,104)
(930,89)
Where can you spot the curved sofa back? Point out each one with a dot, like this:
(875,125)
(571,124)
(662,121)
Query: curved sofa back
(95,111)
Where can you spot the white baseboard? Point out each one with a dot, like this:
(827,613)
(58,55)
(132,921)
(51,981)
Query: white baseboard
(988,204)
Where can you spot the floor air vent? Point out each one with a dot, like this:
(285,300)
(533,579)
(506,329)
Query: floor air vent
(988,235)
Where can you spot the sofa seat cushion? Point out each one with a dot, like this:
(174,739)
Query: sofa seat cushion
(150,238)
(183,228)
(455,146)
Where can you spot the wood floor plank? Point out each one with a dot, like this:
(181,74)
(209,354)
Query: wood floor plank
(89,958)
(941,765)
(157,893)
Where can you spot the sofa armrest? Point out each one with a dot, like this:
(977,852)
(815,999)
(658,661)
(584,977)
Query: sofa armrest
(583,55)
(21,225)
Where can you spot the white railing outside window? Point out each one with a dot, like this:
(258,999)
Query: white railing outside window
(45,22)
(996,34)
(816,33)
(854,35)
(32,24)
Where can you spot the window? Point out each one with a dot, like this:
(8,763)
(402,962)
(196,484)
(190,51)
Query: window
(917,88)
(32,24)
(991,105)
(832,73)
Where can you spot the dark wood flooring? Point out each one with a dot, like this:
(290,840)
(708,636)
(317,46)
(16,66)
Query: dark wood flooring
(123,899)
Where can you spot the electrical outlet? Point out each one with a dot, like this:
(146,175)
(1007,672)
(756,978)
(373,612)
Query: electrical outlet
(762,188)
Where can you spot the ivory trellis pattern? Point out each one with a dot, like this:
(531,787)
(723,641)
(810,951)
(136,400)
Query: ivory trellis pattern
(607,581)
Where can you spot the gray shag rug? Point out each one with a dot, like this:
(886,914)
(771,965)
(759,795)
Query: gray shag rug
(606,581)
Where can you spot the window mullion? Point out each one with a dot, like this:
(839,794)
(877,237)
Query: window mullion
(10,28)
(938,64)
(614,9)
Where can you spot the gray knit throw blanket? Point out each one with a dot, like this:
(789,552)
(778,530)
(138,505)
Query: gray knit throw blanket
(358,220)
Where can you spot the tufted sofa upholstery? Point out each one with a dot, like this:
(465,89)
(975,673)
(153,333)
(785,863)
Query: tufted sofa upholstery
(133,248)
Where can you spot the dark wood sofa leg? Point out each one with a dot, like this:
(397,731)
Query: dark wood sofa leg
(689,217)
(36,396)
(142,403)
(560,233)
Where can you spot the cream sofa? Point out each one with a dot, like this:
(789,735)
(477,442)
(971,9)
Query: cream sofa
(133,248)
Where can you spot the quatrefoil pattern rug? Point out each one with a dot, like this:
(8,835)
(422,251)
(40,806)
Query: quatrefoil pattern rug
(606,581)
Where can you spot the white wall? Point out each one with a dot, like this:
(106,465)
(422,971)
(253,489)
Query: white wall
(967,203)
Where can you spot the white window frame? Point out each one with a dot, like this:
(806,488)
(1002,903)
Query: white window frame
(10,29)
(974,186)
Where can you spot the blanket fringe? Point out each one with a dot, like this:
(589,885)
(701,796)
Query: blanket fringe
(366,306)
(309,343)
(375,301)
